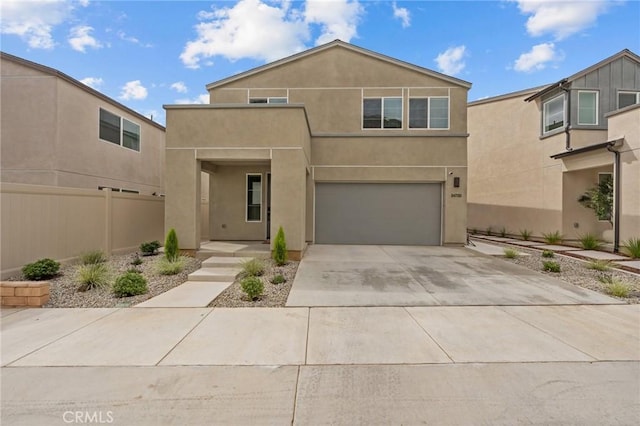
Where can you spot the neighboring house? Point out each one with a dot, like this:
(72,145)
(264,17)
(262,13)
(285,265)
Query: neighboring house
(336,144)
(533,153)
(57,131)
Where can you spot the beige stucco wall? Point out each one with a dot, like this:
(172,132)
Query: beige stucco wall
(62,223)
(62,146)
(626,124)
(512,181)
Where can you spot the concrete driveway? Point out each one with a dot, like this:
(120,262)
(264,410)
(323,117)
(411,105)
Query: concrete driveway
(344,275)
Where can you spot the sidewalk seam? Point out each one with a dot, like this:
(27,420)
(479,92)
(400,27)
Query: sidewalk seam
(183,337)
(430,336)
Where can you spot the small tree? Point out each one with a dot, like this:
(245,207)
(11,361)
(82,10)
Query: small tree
(599,198)
(171,250)
(280,248)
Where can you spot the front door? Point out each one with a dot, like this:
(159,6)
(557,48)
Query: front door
(268,206)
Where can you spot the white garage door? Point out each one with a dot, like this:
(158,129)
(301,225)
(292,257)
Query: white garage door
(378,213)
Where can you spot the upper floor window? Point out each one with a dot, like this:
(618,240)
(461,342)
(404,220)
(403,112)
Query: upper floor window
(553,114)
(587,107)
(382,113)
(429,113)
(268,100)
(628,98)
(119,131)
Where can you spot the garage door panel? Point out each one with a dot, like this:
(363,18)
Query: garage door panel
(378,213)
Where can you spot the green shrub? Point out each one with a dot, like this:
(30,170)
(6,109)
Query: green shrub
(489,231)
(253,268)
(134,270)
(599,265)
(165,266)
(552,237)
(525,234)
(136,260)
(510,253)
(42,269)
(503,232)
(130,284)
(615,287)
(280,248)
(550,266)
(278,279)
(548,253)
(590,242)
(252,286)
(632,246)
(171,250)
(93,257)
(150,248)
(93,275)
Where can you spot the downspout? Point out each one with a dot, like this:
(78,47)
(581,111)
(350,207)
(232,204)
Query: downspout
(616,198)
(567,143)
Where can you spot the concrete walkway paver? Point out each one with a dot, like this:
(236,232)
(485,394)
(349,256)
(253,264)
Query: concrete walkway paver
(491,335)
(245,336)
(598,255)
(30,329)
(192,294)
(490,249)
(369,336)
(556,247)
(126,337)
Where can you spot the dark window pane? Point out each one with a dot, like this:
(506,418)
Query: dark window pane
(130,135)
(254,197)
(626,99)
(109,127)
(372,113)
(393,113)
(418,113)
(258,101)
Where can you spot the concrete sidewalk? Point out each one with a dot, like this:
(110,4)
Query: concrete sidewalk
(386,365)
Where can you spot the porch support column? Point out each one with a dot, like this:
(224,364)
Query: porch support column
(288,198)
(182,202)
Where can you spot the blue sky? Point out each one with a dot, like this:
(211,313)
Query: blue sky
(149,53)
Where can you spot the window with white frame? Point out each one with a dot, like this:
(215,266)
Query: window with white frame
(553,114)
(268,100)
(587,107)
(119,130)
(626,98)
(382,113)
(429,113)
(254,198)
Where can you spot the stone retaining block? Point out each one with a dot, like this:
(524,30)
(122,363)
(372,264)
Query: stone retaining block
(24,293)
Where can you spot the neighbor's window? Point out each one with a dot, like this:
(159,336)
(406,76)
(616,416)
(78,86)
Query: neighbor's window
(429,113)
(268,100)
(119,131)
(254,198)
(628,98)
(382,113)
(587,107)
(553,113)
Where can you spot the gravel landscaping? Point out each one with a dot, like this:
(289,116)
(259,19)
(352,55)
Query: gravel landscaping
(274,296)
(64,287)
(576,272)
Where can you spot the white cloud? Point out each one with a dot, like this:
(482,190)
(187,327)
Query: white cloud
(561,18)
(133,90)
(268,31)
(179,87)
(451,61)
(33,21)
(200,99)
(338,19)
(93,82)
(80,38)
(403,14)
(124,36)
(537,58)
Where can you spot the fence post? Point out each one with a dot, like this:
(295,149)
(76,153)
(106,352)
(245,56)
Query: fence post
(108,221)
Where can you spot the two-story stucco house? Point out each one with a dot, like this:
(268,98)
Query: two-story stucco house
(57,131)
(533,153)
(336,144)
